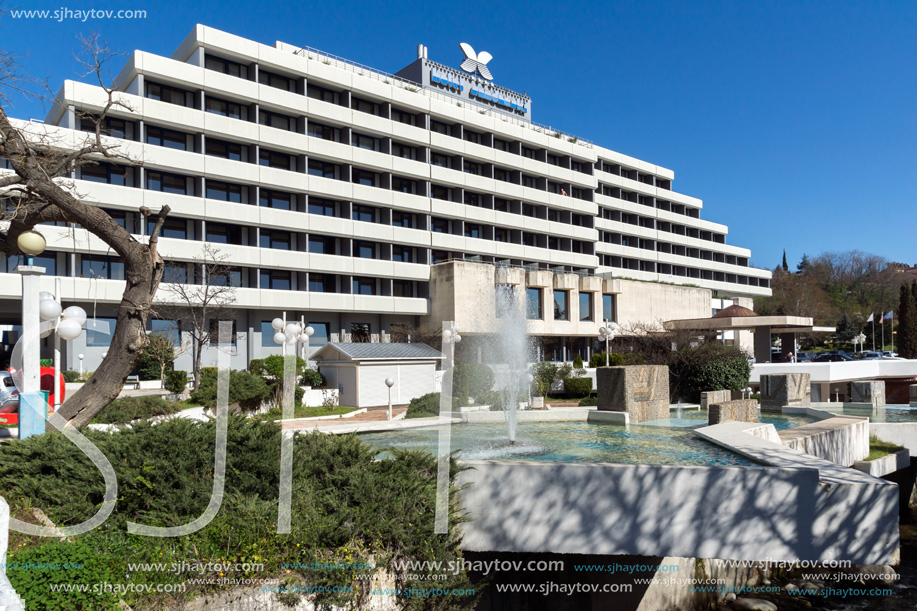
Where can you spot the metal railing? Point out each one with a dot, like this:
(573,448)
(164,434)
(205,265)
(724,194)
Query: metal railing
(390,79)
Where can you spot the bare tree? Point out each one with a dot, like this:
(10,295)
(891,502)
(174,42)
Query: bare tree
(39,190)
(199,299)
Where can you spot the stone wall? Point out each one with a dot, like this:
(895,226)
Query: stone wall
(9,600)
(785,390)
(710,397)
(871,391)
(842,440)
(640,390)
(741,410)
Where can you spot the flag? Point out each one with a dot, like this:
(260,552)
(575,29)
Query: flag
(889,316)
(870,319)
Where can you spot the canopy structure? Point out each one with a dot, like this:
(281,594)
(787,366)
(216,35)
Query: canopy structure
(737,318)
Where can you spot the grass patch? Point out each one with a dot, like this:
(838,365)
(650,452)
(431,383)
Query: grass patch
(879,448)
(303,411)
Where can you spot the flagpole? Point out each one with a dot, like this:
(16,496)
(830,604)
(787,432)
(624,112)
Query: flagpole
(882,323)
(873,332)
(893,331)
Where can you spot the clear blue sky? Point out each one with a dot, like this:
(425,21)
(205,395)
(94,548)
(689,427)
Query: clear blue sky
(794,122)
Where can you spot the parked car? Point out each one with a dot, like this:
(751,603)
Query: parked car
(9,398)
(831,358)
(870,355)
(888,354)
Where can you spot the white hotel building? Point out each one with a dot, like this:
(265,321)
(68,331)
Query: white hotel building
(358,199)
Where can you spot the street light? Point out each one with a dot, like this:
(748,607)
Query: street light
(608,332)
(66,324)
(31,401)
(81,357)
(389,382)
(530,378)
(304,339)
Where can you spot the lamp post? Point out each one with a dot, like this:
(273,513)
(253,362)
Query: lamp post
(304,338)
(389,382)
(81,357)
(530,378)
(608,332)
(31,402)
(65,324)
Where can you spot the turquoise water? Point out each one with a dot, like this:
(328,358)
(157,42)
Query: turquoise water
(661,442)
(889,413)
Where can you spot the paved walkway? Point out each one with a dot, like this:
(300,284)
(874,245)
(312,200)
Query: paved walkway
(367,417)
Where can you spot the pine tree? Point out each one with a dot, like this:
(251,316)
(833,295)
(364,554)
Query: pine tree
(786,267)
(803,266)
(907,322)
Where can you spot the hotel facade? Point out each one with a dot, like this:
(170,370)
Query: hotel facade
(356,200)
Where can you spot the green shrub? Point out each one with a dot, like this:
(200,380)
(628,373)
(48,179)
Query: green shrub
(311,377)
(247,390)
(43,590)
(578,362)
(123,411)
(577,387)
(424,406)
(176,381)
(725,372)
(71,375)
(589,401)
(157,357)
(616,359)
(471,380)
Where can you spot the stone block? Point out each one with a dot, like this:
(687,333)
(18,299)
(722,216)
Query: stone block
(640,390)
(710,397)
(870,391)
(740,410)
(913,388)
(785,390)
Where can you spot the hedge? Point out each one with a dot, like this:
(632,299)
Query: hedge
(577,387)
(246,390)
(176,381)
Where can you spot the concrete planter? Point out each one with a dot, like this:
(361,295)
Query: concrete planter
(885,465)
(537,402)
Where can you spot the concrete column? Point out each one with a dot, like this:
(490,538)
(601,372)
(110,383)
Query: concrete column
(787,345)
(9,600)
(762,344)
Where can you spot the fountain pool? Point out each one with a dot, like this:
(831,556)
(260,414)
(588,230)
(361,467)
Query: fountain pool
(660,442)
(889,413)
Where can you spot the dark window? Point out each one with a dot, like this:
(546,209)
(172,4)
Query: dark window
(561,301)
(225,191)
(500,235)
(440,225)
(440,255)
(213,335)
(440,128)
(364,286)
(533,304)
(501,145)
(402,219)
(170,95)
(275,80)
(175,273)
(608,308)
(402,288)
(402,116)
(474,199)
(172,228)
(322,168)
(116,128)
(224,234)
(167,183)
(365,142)
(360,332)
(275,279)
(274,119)
(363,213)
(167,329)
(281,161)
(94,266)
(321,206)
(528,153)
(443,161)
(168,138)
(472,230)
(404,151)
(223,108)
(404,254)
(471,167)
(366,178)
(321,283)
(324,132)
(48,261)
(440,192)
(471,136)
(405,185)
(275,239)
(320,93)
(276,199)
(226,276)
(107,173)
(226,150)
(225,66)
(99,331)
(501,174)
(321,245)
(365,106)
(501,205)
(364,250)
(529,181)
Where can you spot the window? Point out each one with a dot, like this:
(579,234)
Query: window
(275,239)
(472,230)
(321,335)
(49,262)
(367,214)
(443,161)
(267,335)
(402,116)
(170,95)
(324,132)
(224,234)
(364,286)
(275,80)
(404,185)
(324,169)
(321,245)
(321,207)
(364,250)
(501,174)
(585,306)
(360,332)
(226,150)
(500,235)
(225,191)
(275,279)
(120,217)
(529,181)
(167,183)
(95,266)
(404,151)
(501,145)
(99,331)
(533,304)
(441,192)
(274,119)
(365,106)
(470,167)
(440,255)
(168,138)
(276,199)
(116,128)
(225,66)
(175,273)
(172,228)
(501,205)
(366,178)
(402,288)
(106,173)
(402,219)
(440,225)
(404,254)
(528,153)
(365,142)
(167,329)
(475,137)
(320,93)
(223,108)
(608,308)
(474,199)
(270,159)
(561,299)
(321,283)
(213,335)
(440,128)
(554,159)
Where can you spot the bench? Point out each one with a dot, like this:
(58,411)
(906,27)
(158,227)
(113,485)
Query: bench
(133,380)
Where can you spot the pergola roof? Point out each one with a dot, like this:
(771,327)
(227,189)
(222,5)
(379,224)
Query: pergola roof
(356,351)
(777,324)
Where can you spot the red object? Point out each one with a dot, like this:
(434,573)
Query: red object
(47,383)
